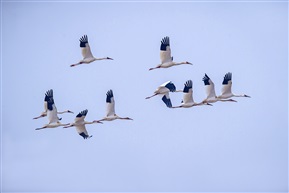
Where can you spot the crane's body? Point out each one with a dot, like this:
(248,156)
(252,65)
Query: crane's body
(188,100)
(210,91)
(53,119)
(86,53)
(49,103)
(227,88)
(79,123)
(165,55)
(164,90)
(110,109)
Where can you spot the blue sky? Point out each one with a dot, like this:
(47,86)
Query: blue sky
(231,147)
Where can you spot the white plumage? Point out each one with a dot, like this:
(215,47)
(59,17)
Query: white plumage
(80,123)
(188,100)
(210,91)
(227,88)
(165,55)
(110,109)
(86,53)
(51,111)
(49,97)
(164,90)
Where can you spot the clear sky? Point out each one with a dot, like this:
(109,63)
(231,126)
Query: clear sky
(231,147)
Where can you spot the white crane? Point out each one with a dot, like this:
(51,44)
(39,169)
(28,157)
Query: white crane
(210,90)
(110,109)
(48,97)
(164,90)
(80,123)
(51,113)
(227,88)
(86,53)
(165,55)
(188,100)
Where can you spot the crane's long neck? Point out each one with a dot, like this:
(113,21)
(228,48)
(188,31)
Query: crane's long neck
(64,124)
(179,63)
(89,122)
(241,95)
(61,112)
(103,58)
(123,118)
(227,100)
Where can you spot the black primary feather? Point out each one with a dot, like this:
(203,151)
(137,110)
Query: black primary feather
(109,95)
(171,86)
(206,79)
(227,78)
(49,99)
(50,103)
(84,135)
(82,113)
(48,94)
(167,101)
(164,43)
(188,86)
(83,40)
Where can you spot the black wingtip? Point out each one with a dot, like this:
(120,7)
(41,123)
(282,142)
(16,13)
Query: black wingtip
(167,101)
(82,113)
(164,43)
(188,86)
(227,78)
(109,95)
(206,79)
(83,40)
(171,86)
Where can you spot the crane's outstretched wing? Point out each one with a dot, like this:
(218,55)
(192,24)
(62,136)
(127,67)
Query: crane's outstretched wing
(165,51)
(166,99)
(210,87)
(169,85)
(188,92)
(48,96)
(110,111)
(227,84)
(51,108)
(85,49)
(81,130)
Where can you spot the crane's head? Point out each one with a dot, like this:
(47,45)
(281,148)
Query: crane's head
(108,58)
(188,63)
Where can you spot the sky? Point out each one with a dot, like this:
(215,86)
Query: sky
(227,147)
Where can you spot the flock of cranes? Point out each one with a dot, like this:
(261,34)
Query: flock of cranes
(54,121)
(163,90)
